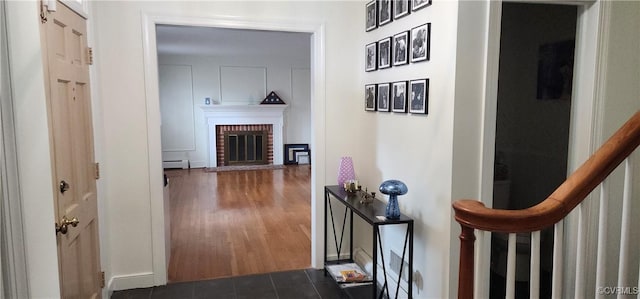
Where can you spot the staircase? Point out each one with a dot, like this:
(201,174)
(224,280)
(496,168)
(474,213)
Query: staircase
(551,213)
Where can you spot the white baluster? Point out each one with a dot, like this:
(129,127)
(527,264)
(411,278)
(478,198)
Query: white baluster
(511,267)
(601,267)
(534,268)
(625,226)
(580,253)
(558,242)
(482,264)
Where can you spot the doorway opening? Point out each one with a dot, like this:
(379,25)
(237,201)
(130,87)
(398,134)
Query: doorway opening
(234,216)
(533,120)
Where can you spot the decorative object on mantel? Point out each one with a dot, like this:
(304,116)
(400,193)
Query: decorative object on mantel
(393,188)
(345,171)
(272,98)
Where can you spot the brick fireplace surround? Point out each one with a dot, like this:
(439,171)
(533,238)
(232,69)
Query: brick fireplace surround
(244,116)
(221,129)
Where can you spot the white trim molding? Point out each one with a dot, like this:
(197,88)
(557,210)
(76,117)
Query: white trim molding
(150,55)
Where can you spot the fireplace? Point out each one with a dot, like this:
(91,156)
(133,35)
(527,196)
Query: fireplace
(245,118)
(244,144)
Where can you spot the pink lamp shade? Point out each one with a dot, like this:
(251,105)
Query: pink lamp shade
(345,171)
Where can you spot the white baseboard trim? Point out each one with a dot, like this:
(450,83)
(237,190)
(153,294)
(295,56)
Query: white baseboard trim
(198,164)
(131,281)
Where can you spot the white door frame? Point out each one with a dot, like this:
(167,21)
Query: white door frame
(317,30)
(585,116)
(13,249)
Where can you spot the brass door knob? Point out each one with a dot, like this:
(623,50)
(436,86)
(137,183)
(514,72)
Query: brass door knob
(63,226)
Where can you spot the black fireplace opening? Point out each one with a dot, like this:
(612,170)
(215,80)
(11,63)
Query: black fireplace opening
(245,147)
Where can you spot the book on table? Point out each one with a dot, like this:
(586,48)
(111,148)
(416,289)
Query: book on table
(348,273)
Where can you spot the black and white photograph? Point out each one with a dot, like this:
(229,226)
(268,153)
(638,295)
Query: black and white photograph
(384,12)
(419,96)
(420,43)
(383,97)
(370,63)
(370,97)
(418,4)
(372,16)
(400,45)
(384,53)
(400,8)
(399,96)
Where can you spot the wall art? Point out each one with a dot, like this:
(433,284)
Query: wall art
(370,97)
(383,97)
(370,57)
(384,53)
(371,11)
(400,8)
(384,12)
(399,96)
(419,91)
(420,43)
(418,4)
(400,48)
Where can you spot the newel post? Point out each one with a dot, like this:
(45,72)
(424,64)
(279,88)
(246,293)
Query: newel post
(465,274)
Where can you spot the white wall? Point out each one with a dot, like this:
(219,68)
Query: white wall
(416,149)
(620,100)
(121,89)
(285,74)
(32,142)
(427,153)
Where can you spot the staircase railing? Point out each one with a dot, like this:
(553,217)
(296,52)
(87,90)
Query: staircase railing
(472,214)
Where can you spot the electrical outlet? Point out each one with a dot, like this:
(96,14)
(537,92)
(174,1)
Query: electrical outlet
(395,262)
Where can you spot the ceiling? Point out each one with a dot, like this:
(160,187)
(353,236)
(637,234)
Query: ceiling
(189,40)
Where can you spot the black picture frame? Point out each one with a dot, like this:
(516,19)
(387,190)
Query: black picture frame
(383,97)
(371,57)
(385,12)
(420,43)
(399,96)
(370,98)
(384,53)
(371,16)
(419,100)
(401,8)
(419,4)
(290,151)
(401,48)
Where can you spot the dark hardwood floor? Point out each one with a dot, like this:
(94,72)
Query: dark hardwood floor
(240,222)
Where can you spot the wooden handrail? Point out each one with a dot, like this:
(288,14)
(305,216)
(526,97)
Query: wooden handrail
(472,214)
(560,203)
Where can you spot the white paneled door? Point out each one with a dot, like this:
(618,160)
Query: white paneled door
(74,169)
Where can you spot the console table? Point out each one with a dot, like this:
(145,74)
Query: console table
(373,214)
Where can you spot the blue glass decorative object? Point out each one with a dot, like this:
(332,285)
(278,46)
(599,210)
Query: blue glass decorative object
(393,188)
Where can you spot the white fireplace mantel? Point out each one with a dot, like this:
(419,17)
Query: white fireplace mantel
(245,115)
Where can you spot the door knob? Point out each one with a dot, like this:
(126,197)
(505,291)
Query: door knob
(63,226)
(64,186)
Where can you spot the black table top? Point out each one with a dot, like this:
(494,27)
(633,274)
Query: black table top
(373,213)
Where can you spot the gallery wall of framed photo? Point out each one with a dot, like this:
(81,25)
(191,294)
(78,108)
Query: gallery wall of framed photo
(399,37)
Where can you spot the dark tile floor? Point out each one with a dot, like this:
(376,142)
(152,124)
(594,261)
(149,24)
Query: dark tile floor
(297,284)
